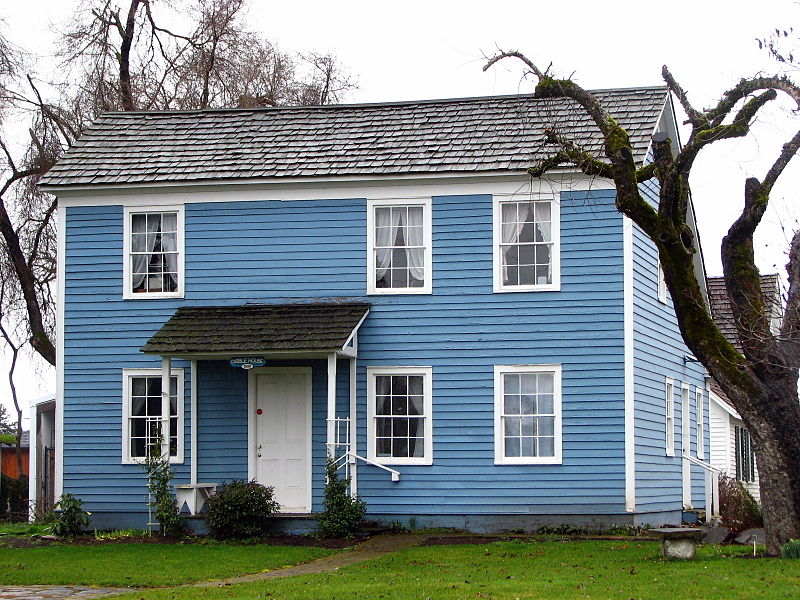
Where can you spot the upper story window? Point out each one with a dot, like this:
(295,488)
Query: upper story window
(526,244)
(399,426)
(142,421)
(153,252)
(399,246)
(527,414)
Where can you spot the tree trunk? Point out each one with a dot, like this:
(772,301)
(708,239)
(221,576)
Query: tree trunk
(775,428)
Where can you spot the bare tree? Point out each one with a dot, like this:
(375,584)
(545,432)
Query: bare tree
(126,58)
(762,379)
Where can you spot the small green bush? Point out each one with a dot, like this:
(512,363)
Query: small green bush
(791,549)
(341,512)
(240,510)
(71,519)
(738,509)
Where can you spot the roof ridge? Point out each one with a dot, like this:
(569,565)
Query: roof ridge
(328,107)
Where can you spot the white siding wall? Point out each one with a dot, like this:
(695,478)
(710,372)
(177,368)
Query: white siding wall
(723,444)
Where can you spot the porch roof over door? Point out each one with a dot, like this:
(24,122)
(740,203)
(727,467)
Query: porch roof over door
(316,327)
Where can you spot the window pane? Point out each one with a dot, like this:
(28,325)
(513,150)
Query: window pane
(545,404)
(399,385)
(527,426)
(400,448)
(512,447)
(511,404)
(383,405)
(383,427)
(542,211)
(399,428)
(415,385)
(527,404)
(545,383)
(399,405)
(138,407)
(416,447)
(416,427)
(138,446)
(511,255)
(547,446)
(511,383)
(169,242)
(398,278)
(512,426)
(415,405)
(528,383)
(383,446)
(547,426)
(527,446)
(527,254)
(138,386)
(169,222)
(526,234)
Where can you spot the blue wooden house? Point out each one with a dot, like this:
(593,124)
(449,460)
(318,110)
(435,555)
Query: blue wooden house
(381,283)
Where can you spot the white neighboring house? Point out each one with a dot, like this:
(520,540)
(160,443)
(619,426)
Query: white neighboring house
(41,479)
(731,451)
(731,448)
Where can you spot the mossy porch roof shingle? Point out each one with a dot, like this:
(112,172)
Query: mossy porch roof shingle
(257,328)
(491,134)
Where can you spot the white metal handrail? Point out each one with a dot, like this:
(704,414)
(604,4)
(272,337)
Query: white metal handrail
(395,474)
(701,463)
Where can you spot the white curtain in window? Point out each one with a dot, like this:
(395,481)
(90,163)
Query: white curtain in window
(386,223)
(140,260)
(416,256)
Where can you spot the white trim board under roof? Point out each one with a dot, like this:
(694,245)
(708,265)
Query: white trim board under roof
(492,134)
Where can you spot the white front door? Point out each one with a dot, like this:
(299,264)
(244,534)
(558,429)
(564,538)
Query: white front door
(282,415)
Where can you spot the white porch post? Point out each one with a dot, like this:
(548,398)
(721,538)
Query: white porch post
(165,381)
(193,425)
(331,404)
(353,447)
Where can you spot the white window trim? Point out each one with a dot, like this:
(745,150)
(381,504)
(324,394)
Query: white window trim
(127,374)
(127,293)
(499,441)
(669,416)
(661,282)
(427,388)
(427,224)
(555,256)
(699,400)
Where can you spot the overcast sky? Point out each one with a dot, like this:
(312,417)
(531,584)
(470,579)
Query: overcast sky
(434,49)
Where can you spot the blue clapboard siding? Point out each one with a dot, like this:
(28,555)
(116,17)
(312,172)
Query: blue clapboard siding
(271,251)
(659,352)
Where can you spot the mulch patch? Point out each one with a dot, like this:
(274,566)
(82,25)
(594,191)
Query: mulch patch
(35,541)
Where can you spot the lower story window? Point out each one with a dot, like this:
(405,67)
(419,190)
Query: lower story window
(399,413)
(142,414)
(527,414)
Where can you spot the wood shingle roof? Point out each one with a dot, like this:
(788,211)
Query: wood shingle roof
(491,134)
(257,328)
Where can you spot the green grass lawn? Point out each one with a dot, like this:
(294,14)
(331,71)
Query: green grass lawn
(144,564)
(23,529)
(538,570)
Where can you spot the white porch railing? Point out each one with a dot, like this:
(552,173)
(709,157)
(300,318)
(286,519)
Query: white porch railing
(712,484)
(395,474)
